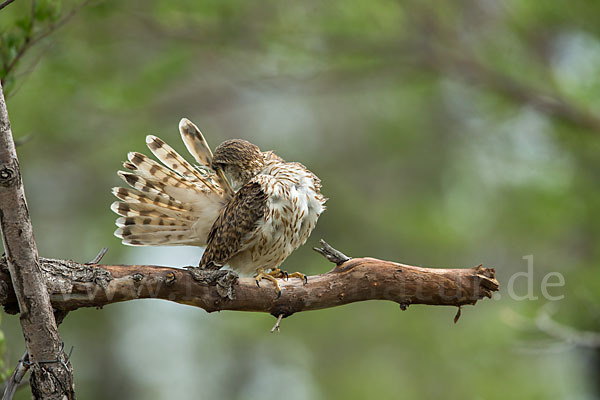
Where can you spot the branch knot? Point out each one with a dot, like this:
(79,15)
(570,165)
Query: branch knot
(9,174)
(223,279)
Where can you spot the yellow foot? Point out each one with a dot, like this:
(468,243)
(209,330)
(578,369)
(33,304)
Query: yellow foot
(299,275)
(278,273)
(275,274)
(261,274)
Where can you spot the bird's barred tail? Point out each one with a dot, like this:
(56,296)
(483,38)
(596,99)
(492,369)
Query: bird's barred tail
(171,202)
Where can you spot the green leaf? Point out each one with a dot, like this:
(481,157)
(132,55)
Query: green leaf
(47,10)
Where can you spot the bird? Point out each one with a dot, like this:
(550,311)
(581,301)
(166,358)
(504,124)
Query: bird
(250,209)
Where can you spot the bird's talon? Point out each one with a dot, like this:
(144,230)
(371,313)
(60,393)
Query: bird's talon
(299,275)
(261,274)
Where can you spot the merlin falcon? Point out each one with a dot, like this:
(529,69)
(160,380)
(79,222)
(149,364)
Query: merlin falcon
(251,209)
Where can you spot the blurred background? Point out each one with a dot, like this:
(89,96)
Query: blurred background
(446,134)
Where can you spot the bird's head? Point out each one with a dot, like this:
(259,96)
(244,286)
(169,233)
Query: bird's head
(240,161)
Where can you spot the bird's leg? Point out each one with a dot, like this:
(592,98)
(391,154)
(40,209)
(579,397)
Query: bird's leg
(261,274)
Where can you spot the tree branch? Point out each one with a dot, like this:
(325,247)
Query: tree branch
(31,40)
(52,375)
(5,3)
(73,285)
(565,333)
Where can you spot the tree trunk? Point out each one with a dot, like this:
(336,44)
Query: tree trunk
(52,375)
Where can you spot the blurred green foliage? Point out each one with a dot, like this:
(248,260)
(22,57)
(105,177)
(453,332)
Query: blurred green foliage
(445,134)
(23,31)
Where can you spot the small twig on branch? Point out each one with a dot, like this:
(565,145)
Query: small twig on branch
(98,257)
(4,4)
(73,285)
(276,326)
(458,314)
(13,382)
(333,255)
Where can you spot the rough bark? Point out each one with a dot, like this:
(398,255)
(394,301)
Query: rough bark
(73,285)
(52,375)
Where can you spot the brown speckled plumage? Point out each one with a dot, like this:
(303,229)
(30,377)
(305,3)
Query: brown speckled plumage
(237,220)
(251,209)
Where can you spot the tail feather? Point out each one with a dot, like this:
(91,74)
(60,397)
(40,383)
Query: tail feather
(143,229)
(135,196)
(173,203)
(199,148)
(195,143)
(152,170)
(182,192)
(140,183)
(151,223)
(149,210)
(157,238)
(173,160)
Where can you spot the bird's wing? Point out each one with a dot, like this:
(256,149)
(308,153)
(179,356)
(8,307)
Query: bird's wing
(237,221)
